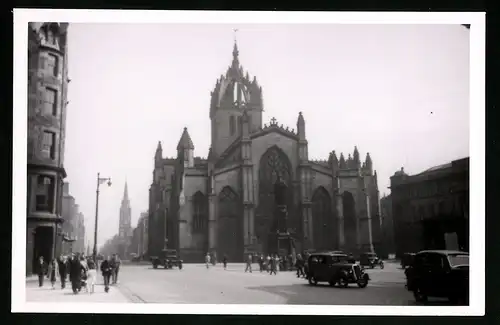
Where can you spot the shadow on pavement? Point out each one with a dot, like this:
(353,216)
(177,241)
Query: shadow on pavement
(300,294)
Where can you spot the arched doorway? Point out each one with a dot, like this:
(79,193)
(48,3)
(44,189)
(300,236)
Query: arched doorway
(350,227)
(230,233)
(42,244)
(200,222)
(273,163)
(323,230)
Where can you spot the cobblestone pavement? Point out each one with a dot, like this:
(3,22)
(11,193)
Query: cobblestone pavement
(196,284)
(46,294)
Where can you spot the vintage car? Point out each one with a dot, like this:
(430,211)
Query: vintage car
(370,260)
(407,260)
(439,273)
(335,269)
(168,259)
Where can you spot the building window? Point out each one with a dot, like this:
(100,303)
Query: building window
(232,125)
(45,193)
(200,215)
(50,101)
(49,144)
(53,64)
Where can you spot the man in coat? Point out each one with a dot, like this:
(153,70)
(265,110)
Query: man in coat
(63,269)
(75,273)
(106,271)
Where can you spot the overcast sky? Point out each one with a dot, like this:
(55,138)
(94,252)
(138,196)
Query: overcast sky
(399,92)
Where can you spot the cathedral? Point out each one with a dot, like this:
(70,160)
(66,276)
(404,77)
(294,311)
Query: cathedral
(225,203)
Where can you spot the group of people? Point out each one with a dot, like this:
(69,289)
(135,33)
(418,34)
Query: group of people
(271,264)
(80,269)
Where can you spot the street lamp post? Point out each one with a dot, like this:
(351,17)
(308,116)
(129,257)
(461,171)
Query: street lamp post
(99,182)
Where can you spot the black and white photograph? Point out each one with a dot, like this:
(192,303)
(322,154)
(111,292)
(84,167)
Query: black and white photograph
(248,162)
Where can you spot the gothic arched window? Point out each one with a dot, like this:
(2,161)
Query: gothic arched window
(200,213)
(323,233)
(273,163)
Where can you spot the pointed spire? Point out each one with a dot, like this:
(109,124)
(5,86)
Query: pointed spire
(332,159)
(342,163)
(301,126)
(236,62)
(125,191)
(185,142)
(356,154)
(210,154)
(368,161)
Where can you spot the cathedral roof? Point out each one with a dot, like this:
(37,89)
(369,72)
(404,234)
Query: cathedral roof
(185,142)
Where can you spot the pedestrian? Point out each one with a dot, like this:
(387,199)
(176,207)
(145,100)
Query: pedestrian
(299,264)
(207,260)
(53,272)
(63,268)
(118,262)
(268,263)
(106,271)
(40,270)
(75,273)
(91,275)
(272,266)
(249,263)
(112,264)
(224,261)
(261,263)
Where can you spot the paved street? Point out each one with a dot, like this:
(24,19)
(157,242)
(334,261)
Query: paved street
(48,295)
(195,284)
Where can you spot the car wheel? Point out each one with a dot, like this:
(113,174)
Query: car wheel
(419,295)
(313,281)
(343,282)
(362,283)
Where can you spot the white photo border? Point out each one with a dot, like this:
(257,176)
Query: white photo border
(477,153)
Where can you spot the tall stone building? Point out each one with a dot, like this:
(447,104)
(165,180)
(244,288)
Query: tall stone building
(125,226)
(225,203)
(431,209)
(73,227)
(47,99)
(387,236)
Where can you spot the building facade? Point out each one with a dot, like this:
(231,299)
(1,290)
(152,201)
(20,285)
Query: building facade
(388,246)
(73,227)
(47,99)
(225,203)
(431,209)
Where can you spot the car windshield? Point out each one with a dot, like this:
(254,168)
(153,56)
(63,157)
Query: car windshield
(456,260)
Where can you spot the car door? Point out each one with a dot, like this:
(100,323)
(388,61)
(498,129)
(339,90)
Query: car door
(320,268)
(435,275)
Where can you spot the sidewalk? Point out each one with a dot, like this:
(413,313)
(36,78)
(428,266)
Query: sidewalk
(47,294)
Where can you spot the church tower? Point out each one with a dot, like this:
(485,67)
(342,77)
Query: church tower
(124,227)
(233,94)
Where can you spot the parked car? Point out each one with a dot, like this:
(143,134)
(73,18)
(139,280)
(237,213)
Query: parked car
(407,260)
(335,269)
(439,273)
(168,259)
(370,260)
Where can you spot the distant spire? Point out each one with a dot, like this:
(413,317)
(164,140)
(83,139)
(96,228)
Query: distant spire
(236,62)
(125,192)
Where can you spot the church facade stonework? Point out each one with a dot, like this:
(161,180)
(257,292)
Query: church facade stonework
(225,203)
